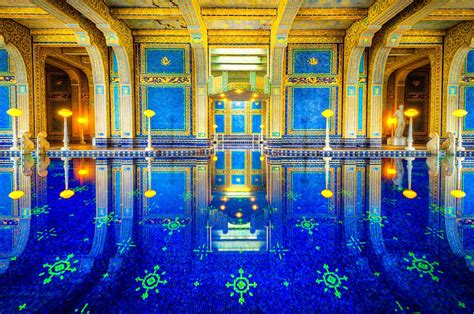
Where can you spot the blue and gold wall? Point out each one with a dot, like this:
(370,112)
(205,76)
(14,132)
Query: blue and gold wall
(312,85)
(467,93)
(362,96)
(238,117)
(7,91)
(165,87)
(115,95)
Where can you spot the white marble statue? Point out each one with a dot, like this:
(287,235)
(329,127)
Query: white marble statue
(401,122)
(42,145)
(433,144)
(449,145)
(27,146)
(433,165)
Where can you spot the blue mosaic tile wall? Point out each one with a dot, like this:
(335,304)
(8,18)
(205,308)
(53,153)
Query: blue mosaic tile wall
(7,91)
(238,170)
(165,87)
(312,86)
(467,93)
(115,99)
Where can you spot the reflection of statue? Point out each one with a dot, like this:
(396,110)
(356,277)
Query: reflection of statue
(27,146)
(42,145)
(433,165)
(449,144)
(433,143)
(42,165)
(398,179)
(401,122)
(448,166)
(27,163)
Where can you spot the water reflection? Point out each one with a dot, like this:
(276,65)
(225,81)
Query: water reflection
(384,224)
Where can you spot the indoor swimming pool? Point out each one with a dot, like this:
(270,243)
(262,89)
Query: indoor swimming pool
(236,232)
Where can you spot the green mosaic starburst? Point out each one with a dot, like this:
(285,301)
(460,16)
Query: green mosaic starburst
(59,268)
(241,285)
(46,234)
(202,251)
(332,280)
(423,266)
(173,226)
(278,250)
(355,244)
(434,232)
(105,220)
(79,189)
(307,225)
(376,219)
(187,196)
(293,196)
(151,281)
(125,245)
(40,210)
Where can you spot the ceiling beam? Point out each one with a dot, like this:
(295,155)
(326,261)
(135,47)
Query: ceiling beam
(22,13)
(146,13)
(238,13)
(451,15)
(331,14)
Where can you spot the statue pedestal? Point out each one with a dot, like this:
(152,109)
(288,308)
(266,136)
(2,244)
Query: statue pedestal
(397,141)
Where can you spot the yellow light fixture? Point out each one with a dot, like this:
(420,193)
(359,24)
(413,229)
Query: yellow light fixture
(459,113)
(215,126)
(391,121)
(224,199)
(327,113)
(14,112)
(255,95)
(458,193)
(83,172)
(82,120)
(410,194)
(262,126)
(327,193)
(262,157)
(65,113)
(391,171)
(221,95)
(214,158)
(252,199)
(222,207)
(254,207)
(14,195)
(149,193)
(66,194)
(148,113)
(239,91)
(239,214)
(410,113)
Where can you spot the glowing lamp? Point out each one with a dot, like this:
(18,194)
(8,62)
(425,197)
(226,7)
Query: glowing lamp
(239,214)
(410,194)
(66,194)
(222,207)
(410,113)
(391,121)
(239,91)
(215,126)
(14,195)
(224,199)
(254,207)
(65,113)
(149,113)
(328,113)
(262,126)
(214,158)
(262,158)
(391,171)
(255,95)
(149,193)
(458,193)
(459,113)
(327,193)
(83,172)
(252,199)
(221,95)
(14,112)
(82,120)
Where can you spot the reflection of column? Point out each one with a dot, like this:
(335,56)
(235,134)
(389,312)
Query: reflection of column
(374,183)
(275,200)
(101,215)
(21,211)
(349,193)
(125,188)
(202,202)
(450,207)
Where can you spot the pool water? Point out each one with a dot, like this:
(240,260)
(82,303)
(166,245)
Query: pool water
(236,234)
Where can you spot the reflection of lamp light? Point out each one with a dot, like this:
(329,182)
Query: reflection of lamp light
(328,113)
(222,207)
(262,157)
(410,113)
(149,114)
(16,193)
(83,172)
(65,113)
(66,193)
(409,193)
(254,207)
(458,193)
(326,193)
(214,158)
(391,171)
(150,192)
(239,214)
(239,91)
(14,113)
(460,113)
(81,122)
